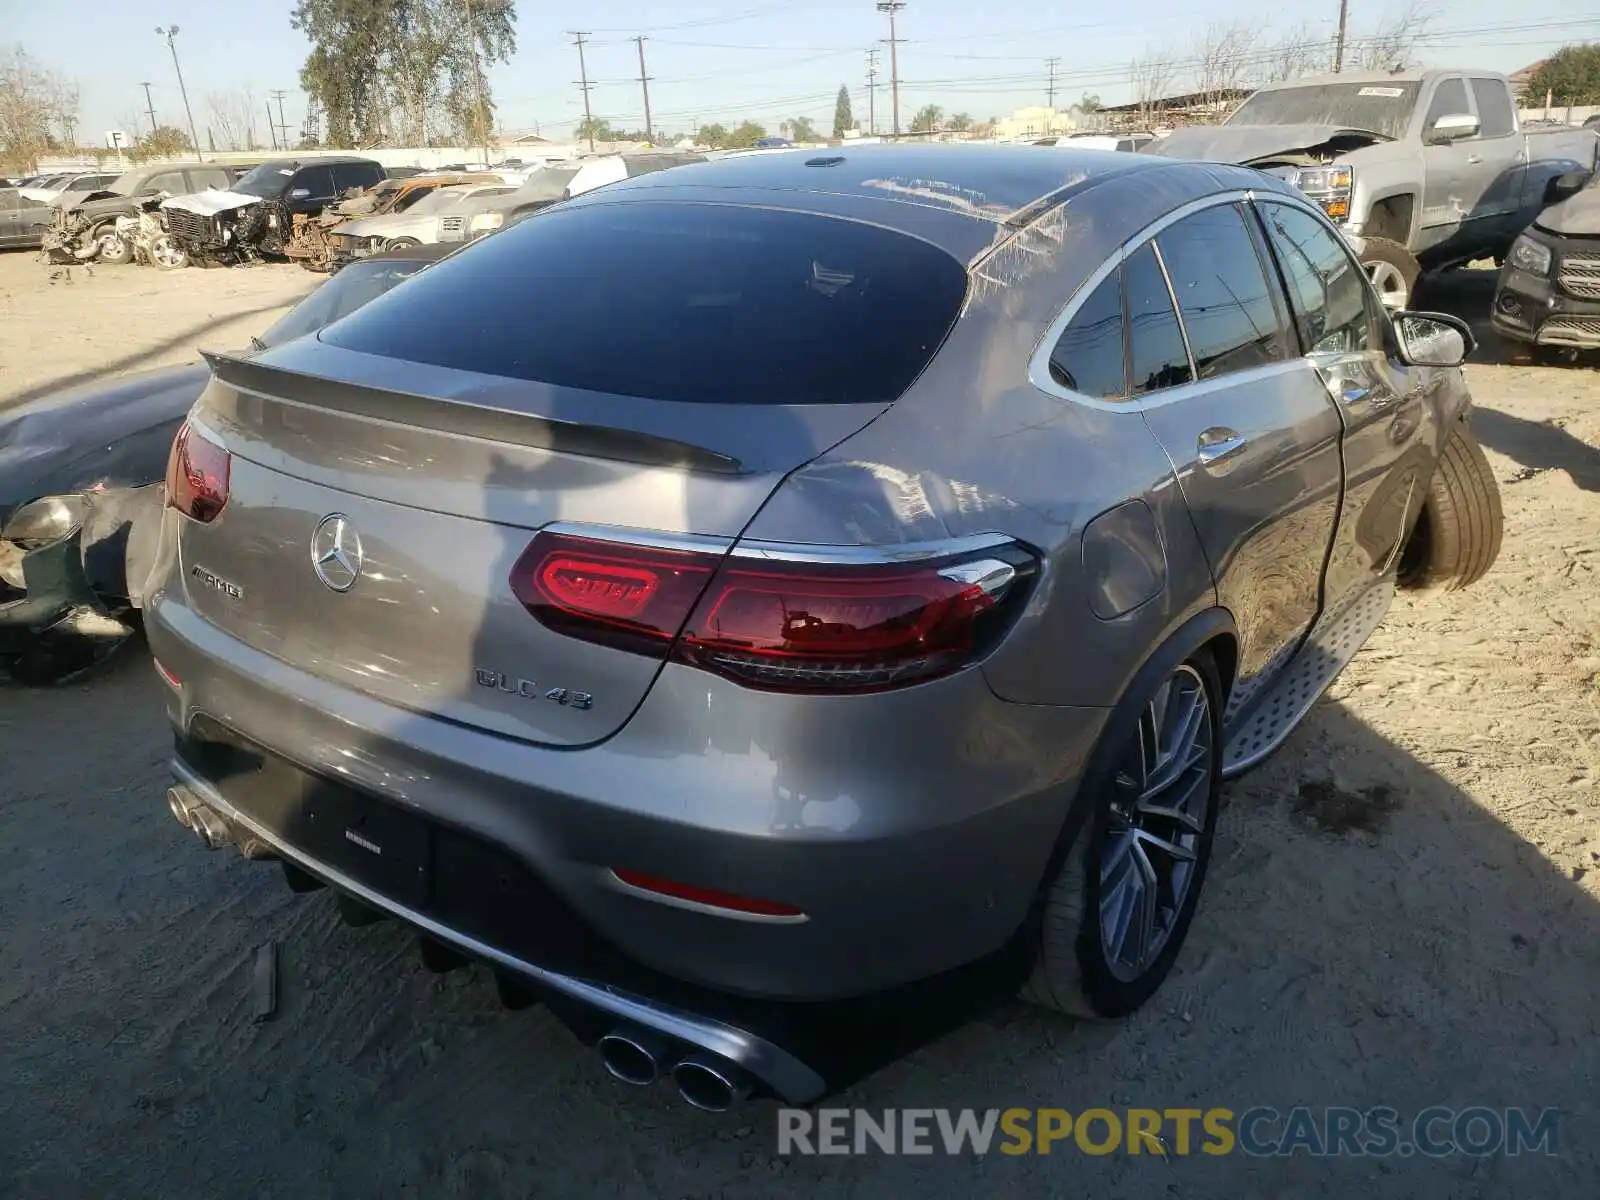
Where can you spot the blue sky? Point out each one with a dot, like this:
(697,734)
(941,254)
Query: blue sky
(723,60)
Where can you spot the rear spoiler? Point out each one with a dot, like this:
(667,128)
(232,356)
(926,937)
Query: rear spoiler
(466,418)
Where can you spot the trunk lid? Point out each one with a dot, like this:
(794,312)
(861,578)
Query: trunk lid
(440,479)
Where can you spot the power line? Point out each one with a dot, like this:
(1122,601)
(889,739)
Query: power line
(583,85)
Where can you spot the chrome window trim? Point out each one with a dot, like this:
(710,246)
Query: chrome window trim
(651,539)
(1039,364)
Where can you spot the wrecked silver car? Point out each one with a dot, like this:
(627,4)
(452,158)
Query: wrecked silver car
(81,490)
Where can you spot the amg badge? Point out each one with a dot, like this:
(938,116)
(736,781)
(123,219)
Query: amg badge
(529,690)
(217,583)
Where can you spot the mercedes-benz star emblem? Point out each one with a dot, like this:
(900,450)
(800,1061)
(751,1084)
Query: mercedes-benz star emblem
(336,552)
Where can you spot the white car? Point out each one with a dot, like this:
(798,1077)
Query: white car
(439,216)
(56,188)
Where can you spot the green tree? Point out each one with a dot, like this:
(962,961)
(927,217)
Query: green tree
(403,70)
(596,127)
(842,118)
(801,129)
(32,97)
(166,141)
(714,136)
(927,119)
(1090,103)
(746,135)
(959,122)
(1569,76)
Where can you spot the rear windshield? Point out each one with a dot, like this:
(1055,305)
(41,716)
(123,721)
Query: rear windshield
(678,301)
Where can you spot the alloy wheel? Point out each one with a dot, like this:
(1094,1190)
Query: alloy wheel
(1390,284)
(1159,809)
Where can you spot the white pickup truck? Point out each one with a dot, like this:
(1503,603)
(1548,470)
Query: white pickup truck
(1422,169)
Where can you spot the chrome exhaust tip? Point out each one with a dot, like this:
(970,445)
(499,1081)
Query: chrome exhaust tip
(709,1083)
(631,1056)
(210,827)
(179,802)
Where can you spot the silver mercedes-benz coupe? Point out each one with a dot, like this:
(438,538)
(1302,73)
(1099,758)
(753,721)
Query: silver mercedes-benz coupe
(749,603)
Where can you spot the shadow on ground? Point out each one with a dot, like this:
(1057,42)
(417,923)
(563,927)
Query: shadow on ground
(1370,936)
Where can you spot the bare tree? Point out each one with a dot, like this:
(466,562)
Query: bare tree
(1299,51)
(233,118)
(34,101)
(1226,60)
(1392,46)
(1152,75)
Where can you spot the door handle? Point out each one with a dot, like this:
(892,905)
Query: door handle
(1218,443)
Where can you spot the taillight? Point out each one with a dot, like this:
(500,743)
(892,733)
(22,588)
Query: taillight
(809,626)
(197,475)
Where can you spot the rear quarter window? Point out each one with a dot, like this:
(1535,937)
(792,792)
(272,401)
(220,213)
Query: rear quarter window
(679,301)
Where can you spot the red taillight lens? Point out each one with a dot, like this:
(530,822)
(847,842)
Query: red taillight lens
(777,625)
(709,897)
(631,597)
(197,475)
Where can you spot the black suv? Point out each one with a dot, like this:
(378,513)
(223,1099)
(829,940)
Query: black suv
(256,215)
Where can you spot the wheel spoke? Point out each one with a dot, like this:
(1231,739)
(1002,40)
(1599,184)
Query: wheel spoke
(1170,848)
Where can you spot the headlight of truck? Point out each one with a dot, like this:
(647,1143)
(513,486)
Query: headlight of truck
(484,222)
(1329,186)
(44,521)
(1530,256)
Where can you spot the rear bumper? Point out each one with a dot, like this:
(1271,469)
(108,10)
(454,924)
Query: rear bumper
(913,831)
(1531,308)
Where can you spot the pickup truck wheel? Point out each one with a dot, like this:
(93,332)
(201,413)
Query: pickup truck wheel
(1117,912)
(1457,535)
(1392,269)
(114,248)
(167,254)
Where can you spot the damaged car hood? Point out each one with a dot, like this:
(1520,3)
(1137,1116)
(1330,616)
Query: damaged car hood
(71,439)
(1576,216)
(209,203)
(389,225)
(1246,144)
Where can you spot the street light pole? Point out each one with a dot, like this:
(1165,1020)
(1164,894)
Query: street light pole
(170,32)
(891,7)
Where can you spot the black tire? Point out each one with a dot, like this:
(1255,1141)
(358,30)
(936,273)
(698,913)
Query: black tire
(1458,533)
(401,243)
(1071,973)
(1387,262)
(107,236)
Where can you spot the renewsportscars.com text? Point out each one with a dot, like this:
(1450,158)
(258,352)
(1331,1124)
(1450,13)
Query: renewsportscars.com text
(1258,1132)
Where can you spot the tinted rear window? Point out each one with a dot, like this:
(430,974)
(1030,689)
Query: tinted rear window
(672,301)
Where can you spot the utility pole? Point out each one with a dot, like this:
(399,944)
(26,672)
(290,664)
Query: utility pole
(1050,88)
(171,32)
(872,93)
(583,84)
(149,106)
(283,126)
(891,7)
(644,82)
(477,81)
(272,126)
(1338,45)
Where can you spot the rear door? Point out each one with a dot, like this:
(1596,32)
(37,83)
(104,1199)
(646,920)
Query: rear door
(10,209)
(1390,434)
(651,368)
(1251,431)
(1497,163)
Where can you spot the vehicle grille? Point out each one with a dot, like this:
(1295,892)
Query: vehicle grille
(1580,273)
(1570,331)
(190,227)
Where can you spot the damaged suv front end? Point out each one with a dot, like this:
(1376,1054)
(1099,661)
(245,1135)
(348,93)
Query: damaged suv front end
(226,228)
(1548,293)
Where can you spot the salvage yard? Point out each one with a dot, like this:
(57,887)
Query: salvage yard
(1403,910)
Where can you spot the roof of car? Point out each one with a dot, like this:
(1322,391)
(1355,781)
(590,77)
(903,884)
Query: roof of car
(316,160)
(966,199)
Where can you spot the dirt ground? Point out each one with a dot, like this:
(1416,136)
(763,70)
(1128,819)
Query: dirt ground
(1403,910)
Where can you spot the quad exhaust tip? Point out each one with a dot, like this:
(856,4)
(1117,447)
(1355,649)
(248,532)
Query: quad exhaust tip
(710,1083)
(205,822)
(632,1056)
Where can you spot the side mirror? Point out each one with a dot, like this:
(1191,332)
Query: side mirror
(299,193)
(1453,126)
(1564,187)
(1433,339)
